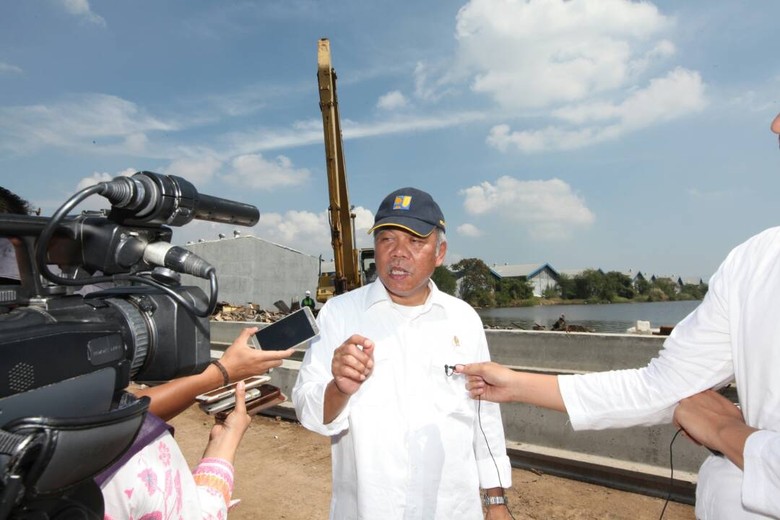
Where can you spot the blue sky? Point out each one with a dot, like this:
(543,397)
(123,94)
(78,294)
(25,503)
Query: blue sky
(587,133)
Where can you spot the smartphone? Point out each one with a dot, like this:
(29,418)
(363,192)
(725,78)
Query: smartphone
(257,399)
(269,396)
(289,332)
(228,403)
(223,392)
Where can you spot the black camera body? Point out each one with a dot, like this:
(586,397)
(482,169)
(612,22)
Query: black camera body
(72,341)
(139,333)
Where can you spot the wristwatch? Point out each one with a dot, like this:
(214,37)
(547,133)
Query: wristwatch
(494,501)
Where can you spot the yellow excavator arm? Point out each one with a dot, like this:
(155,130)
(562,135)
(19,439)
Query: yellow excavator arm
(347,272)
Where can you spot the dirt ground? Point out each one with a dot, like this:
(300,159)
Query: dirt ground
(283,472)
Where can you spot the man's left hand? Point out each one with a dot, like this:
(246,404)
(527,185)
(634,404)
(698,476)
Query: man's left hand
(498,513)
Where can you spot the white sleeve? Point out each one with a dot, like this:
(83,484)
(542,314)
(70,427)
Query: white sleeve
(695,357)
(761,482)
(308,394)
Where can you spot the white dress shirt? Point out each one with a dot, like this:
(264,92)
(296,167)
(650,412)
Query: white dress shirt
(733,334)
(408,445)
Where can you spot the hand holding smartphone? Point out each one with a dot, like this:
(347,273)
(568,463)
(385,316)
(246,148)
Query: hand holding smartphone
(291,331)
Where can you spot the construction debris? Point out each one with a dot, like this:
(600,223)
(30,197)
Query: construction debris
(248,312)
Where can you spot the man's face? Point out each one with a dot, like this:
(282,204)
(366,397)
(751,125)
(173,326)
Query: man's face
(405,262)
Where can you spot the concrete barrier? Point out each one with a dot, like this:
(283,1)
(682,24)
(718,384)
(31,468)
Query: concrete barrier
(536,435)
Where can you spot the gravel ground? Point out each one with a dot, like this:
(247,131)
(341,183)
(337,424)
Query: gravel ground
(283,472)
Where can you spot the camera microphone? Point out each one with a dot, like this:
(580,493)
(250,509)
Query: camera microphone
(151,198)
(176,258)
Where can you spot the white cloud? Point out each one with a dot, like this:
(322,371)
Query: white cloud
(432,82)
(196,170)
(136,143)
(7,68)
(392,101)
(79,122)
(534,54)
(81,9)
(364,219)
(256,172)
(469,230)
(310,132)
(548,210)
(309,232)
(295,229)
(679,93)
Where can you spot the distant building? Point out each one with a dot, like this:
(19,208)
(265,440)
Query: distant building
(571,273)
(540,276)
(253,270)
(634,274)
(689,280)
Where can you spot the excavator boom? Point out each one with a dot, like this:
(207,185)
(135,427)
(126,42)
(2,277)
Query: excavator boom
(348,267)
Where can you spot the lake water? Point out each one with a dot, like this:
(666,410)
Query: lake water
(615,317)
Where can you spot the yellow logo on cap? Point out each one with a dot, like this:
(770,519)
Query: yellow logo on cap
(402,202)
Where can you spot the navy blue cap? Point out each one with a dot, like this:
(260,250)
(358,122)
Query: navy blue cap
(410,209)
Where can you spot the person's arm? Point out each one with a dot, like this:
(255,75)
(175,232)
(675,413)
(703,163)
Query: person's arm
(352,364)
(320,405)
(226,435)
(499,384)
(240,361)
(489,442)
(214,474)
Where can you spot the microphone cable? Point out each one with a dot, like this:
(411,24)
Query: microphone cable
(484,435)
(671,473)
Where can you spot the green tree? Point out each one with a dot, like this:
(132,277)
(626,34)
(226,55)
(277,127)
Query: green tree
(512,290)
(444,280)
(567,287)
(619,284)
(642,286)
(691,291)
(656,295)
(476,283)
(552,291)
(589,285)
(668,287)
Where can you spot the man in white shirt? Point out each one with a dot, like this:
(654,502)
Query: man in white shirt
(733,335)
(407,441)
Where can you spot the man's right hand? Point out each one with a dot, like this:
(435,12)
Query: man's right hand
(352,364)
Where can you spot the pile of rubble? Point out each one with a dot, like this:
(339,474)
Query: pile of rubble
(249,312)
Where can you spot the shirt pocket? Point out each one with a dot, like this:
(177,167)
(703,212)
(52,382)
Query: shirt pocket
(379,390)
(447,388)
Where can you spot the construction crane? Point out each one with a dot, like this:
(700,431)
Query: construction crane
(352,266)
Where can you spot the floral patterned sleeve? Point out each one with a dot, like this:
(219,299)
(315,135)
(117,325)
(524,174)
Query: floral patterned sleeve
(157,484)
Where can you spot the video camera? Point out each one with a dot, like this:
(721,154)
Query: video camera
(72,340)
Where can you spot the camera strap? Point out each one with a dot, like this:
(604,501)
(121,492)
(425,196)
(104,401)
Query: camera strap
(44,462)
(16,453)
